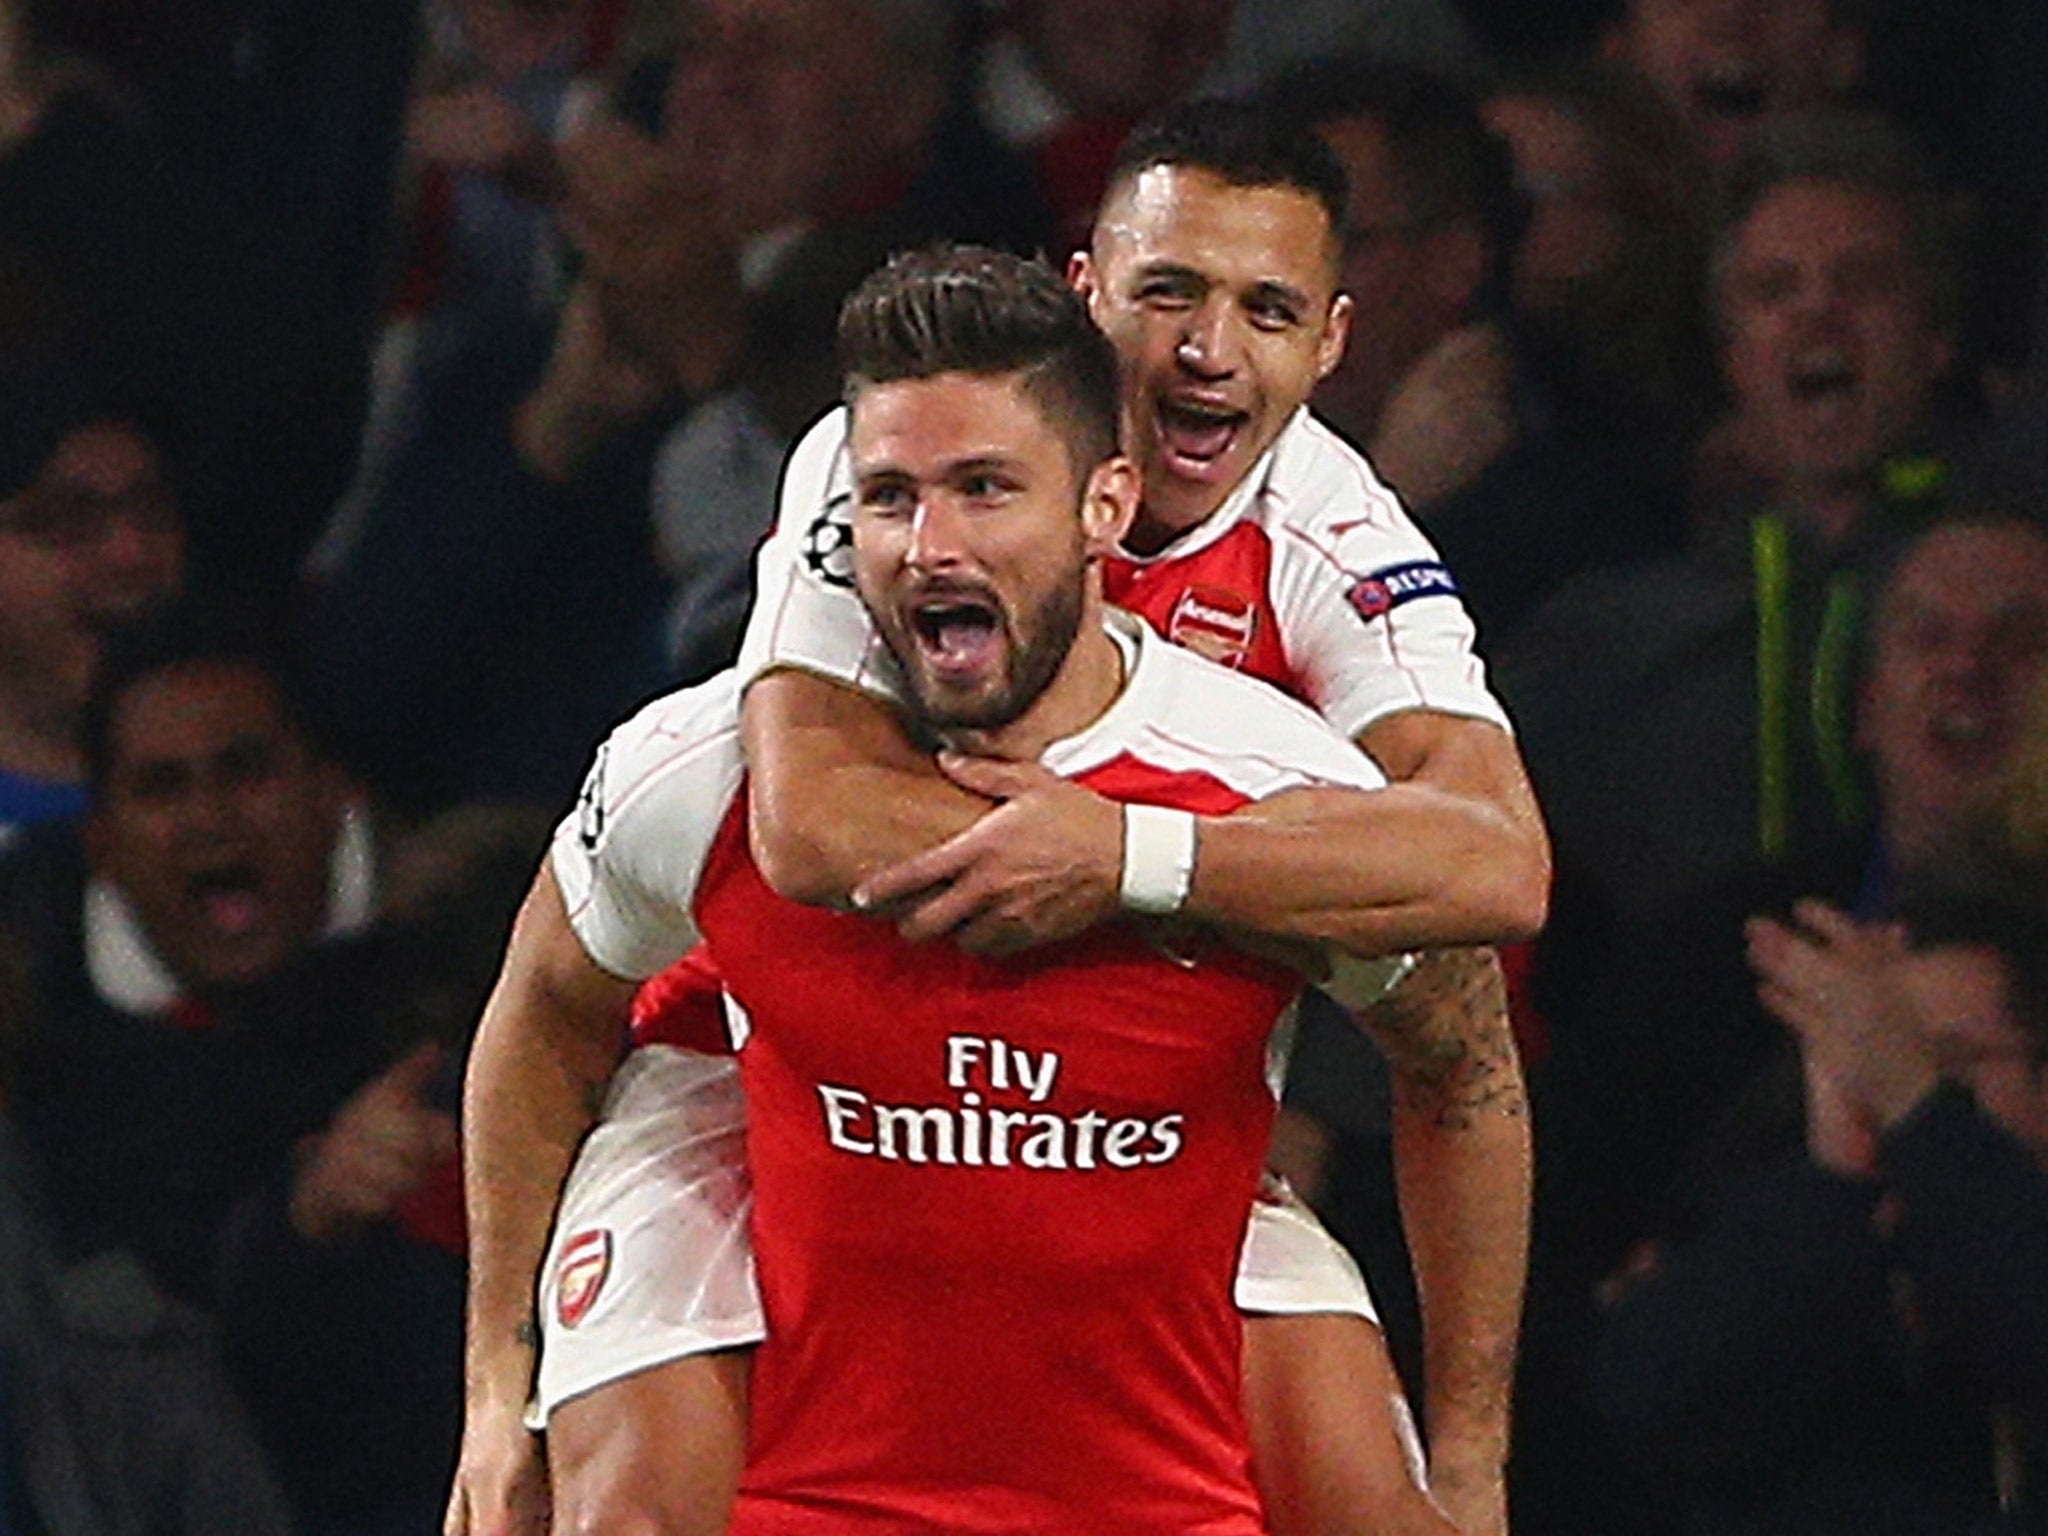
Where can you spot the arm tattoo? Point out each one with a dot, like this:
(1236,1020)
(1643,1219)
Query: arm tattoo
(1446,1034)
(527,1332)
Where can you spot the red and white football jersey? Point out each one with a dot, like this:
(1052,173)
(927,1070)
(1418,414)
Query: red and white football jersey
(1310,576)
(999,1204)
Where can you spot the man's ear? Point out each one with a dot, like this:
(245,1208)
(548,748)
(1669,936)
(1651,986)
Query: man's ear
(1109,504)
(1081,277)
(1336,336)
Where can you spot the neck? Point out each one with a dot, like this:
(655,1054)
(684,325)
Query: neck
(1155,526)
(1087,683)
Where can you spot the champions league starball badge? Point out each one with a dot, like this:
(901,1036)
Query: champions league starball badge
(828,544)
(590,803)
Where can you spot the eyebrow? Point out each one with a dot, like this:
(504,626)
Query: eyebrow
(1173,269)
(1285,293)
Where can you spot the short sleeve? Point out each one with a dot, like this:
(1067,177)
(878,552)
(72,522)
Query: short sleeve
(1373,618)
(629,854)
(807,612)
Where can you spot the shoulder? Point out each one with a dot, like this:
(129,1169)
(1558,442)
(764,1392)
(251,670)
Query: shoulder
(1185,714)
(1319,480)
(679,756)
(817,453)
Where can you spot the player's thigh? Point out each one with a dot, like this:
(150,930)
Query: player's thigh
(1333,1447)
(657,1453)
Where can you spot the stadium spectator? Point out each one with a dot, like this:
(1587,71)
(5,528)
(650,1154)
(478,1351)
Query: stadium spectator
(1611,267)
(1682,715)
(1452,403)
(90,536)
(1661,1043)
(619,471)
(1856,1339)
(208,1052)
(1726,66)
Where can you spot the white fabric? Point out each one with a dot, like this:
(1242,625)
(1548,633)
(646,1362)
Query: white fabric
(628,858)
(657,1204)
(1291,1265)
(1159,859)
(125,968)
(1330,523)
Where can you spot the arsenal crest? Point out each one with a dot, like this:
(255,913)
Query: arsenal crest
(586,1260)
(1214,622)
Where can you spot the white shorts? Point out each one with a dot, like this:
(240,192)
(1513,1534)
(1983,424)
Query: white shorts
(650,1260)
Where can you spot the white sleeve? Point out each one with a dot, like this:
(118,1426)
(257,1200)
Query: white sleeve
(807,613)
(629,855)
(1371,615)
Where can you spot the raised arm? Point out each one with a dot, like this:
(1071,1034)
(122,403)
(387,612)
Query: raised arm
(551,1034)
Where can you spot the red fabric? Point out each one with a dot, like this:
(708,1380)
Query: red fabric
(681,1006)
(433,1213)
(191,1015)
(1216,601)
(1048,1133)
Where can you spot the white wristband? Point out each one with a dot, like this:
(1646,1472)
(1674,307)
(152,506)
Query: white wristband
(1159,859)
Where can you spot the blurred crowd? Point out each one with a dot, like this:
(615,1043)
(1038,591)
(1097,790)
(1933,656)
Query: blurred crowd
(393,393)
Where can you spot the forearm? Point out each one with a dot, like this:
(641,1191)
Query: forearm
(1406,867)
(542,1056)
(1462,1173)
(837,790)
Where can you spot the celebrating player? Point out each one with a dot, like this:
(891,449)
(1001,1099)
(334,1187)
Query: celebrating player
(1000,1203)
(1264,541)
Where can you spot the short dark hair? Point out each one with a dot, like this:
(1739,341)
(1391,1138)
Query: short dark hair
(1243,141)
(1893,545)
(1865,152)
(190,632)
(970,309)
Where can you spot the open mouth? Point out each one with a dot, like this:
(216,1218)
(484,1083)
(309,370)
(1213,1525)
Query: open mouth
(229,898)
(1195,434)
(1822,376)
(1730,91)
(959,636)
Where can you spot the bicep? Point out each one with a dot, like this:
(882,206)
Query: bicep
(836,788)
(547,968)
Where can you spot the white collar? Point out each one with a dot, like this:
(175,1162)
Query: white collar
(126,970)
